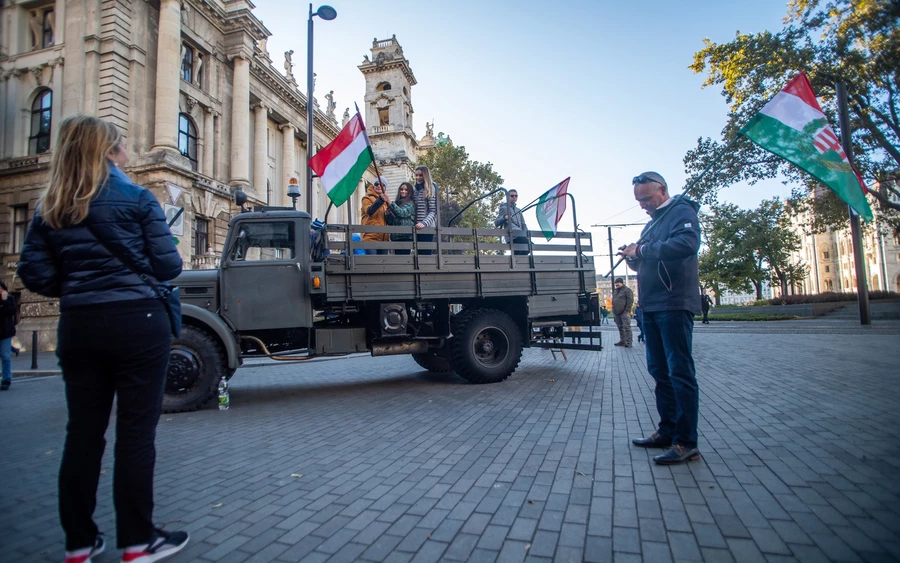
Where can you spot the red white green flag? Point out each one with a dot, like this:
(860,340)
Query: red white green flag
(341,164)
(793,127)
(551,207)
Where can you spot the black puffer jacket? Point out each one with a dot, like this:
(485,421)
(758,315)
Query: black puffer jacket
(71,264)
(8,317)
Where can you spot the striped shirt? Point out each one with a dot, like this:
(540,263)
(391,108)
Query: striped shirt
(425,212)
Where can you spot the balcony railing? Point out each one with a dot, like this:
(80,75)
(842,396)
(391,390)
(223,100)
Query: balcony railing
(205,262)
(382,128)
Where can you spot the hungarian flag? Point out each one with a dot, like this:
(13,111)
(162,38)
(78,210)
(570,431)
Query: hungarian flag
(341,164)
(793,127)
(551,207)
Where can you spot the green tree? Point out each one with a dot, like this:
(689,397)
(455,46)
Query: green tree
(453,171)
(746,247)
(854,41)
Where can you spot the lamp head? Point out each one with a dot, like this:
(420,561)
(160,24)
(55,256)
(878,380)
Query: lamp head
(240,198)
(326,12)
(293,190)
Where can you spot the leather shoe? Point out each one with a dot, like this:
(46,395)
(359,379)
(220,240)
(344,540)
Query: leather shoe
(619,343)
(677,454)
(653,441)
(4,385)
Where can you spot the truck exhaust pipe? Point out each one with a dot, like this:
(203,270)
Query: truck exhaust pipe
(400,347)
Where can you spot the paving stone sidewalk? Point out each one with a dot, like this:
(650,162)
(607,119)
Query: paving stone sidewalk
(372,459)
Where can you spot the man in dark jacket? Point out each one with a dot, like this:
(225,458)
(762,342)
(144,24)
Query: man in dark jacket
(705,303)
(623,300)
(669,278)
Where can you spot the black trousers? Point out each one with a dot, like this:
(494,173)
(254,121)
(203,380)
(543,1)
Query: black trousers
(425,238)
(520,240)
(119,349)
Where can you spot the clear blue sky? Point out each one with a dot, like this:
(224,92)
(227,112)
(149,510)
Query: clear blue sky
(596,90)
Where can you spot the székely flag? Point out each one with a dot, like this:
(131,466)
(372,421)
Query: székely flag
(551,207)
(793,127)
(341,164)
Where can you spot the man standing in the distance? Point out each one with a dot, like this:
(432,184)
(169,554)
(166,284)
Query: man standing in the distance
(623,301)
(509,213)
(669,278)
(705,303)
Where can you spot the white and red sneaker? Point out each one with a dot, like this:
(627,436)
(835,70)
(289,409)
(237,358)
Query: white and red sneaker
(162,545)
(84,555)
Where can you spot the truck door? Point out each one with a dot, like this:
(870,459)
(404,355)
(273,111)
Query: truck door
(263,282)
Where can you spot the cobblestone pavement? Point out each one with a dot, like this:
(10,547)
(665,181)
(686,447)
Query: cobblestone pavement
(372,459)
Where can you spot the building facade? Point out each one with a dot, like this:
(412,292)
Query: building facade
(190,84)
(830,259)
(389,111)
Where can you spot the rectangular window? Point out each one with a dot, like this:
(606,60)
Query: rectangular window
(47,29)
(826,255)
(201,236)
(265,241)
(20,225)
(187,63)
(827,268)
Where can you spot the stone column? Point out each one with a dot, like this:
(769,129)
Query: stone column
(240,124)
(165,126)
(287,162)
(209,143)
(260,152)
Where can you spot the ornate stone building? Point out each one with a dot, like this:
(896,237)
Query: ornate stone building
(388,111)
(829,257)
(193,89)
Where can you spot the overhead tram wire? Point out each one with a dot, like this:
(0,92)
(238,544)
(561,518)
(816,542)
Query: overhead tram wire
(609,229)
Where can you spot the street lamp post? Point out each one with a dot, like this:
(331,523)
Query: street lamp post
(327,13)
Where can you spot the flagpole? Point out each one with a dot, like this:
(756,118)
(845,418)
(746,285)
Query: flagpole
(862,288)
(689,187)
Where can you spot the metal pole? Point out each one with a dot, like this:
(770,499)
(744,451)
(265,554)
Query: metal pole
(862,289)
(34,349)
(310,148)
(612,267)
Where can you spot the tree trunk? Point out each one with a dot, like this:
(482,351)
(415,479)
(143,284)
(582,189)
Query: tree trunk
(758,285)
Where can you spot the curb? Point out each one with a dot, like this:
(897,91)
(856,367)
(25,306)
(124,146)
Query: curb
(36,372)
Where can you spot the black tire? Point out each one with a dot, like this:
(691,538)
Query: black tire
(432,362)
(486,346)
(196,364)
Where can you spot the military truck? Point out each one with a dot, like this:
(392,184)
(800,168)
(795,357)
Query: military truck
(464,302)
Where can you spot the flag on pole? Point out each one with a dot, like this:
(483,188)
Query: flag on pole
(341,164)
(551,207)
(793,127)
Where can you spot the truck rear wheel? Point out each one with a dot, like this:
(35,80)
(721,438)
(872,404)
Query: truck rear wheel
(195,366)
(433,362)
(486,346)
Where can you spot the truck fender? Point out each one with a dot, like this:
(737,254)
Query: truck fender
(215,324)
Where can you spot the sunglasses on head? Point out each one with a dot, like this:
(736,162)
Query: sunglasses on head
(645,180)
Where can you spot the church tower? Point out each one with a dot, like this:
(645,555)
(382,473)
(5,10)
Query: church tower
(389,112)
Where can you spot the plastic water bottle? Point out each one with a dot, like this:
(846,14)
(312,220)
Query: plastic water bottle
(223,394)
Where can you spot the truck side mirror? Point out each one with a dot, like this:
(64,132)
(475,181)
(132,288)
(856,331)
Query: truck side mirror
(240,198)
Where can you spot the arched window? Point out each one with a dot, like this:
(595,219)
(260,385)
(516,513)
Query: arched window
(187,139)
(383,86)
(41,114)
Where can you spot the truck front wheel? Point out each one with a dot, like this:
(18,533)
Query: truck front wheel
(486,346)
(195,366)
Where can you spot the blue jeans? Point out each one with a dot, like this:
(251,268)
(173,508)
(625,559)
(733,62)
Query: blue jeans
(669,339)
(5,346)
